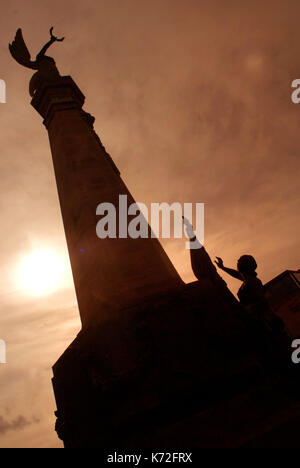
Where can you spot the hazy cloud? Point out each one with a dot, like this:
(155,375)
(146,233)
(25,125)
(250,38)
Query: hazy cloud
(17,424)
(193,102)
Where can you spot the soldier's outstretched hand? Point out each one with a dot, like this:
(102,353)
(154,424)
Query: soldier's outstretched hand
(219,262)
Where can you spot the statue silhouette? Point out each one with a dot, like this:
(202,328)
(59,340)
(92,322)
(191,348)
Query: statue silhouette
(45,65)
(266,329)
(252,290)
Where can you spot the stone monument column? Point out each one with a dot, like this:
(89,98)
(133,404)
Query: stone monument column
(112,274)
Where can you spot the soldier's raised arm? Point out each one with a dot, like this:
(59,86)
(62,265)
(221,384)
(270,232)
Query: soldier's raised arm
(234,273)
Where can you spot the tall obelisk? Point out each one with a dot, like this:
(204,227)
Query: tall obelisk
(111,274)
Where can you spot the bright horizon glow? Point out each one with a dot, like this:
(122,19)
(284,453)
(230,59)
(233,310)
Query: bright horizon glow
(40,272)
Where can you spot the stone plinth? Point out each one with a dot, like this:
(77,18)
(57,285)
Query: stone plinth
(158,364)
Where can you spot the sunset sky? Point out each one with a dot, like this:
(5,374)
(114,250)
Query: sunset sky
(192,100)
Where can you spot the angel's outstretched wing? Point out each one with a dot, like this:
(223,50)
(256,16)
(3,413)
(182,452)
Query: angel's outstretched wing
(20,52)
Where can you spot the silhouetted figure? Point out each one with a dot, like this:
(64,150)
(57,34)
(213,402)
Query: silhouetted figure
(266,329)
(45,65)
(251,293)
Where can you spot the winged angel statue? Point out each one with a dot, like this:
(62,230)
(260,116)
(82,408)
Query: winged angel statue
(45,66)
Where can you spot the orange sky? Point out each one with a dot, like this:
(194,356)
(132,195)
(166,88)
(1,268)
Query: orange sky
(193,102)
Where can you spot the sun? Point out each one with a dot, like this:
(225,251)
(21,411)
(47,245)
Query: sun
(40,272)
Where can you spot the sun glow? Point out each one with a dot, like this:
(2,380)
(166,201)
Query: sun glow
(40,272)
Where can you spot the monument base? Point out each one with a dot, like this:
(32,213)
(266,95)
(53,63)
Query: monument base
(153,367)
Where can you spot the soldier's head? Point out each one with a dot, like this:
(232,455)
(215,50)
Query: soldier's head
(247,265)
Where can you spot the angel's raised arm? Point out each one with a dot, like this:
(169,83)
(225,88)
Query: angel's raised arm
(48,44)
